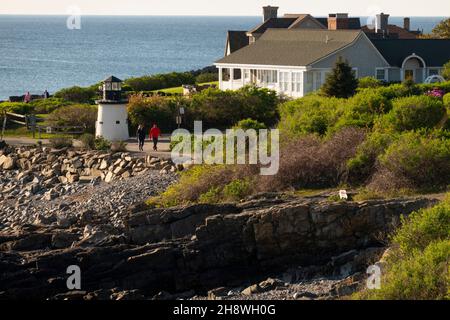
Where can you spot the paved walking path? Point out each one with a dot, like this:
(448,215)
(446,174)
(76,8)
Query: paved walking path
(132,145)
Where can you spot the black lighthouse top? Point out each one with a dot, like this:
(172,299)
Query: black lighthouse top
(112,90)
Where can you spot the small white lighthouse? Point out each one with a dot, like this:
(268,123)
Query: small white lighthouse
(112,120)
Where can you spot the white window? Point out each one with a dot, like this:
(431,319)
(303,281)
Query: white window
(284,81)
(380,74)
(247,75)
(296,81)
(274,76)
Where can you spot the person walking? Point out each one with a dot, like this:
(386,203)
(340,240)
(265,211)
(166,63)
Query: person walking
(46,94)
(140,134)
(154,135)
(27,97)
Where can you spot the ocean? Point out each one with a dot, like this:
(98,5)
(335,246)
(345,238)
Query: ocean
(40,52)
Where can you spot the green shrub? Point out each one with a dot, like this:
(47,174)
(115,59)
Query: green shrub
(392,91)
(61,142)
(414,112)
(424,227)
(447,100)
(237,190)
(211,196)
(102,144)
(159,81)
(423,161)
(363,108)
(82,115)
(87,140)
(45,106)
(417,266)
(222,109)
(197,181)
(363,165)
(310,114)
(207,77)
(369,82)
(446,71)
(420,275)
(155,109)
(78,94)
(247,124)
(16,107)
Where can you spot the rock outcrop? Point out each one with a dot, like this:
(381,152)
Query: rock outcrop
(195,249)
(35,181)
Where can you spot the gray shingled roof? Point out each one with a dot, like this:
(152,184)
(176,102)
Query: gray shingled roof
(435,52)
(237,40)
(296,47)
(273,23)
(112,79)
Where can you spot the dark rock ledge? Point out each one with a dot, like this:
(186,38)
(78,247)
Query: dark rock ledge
(194,249)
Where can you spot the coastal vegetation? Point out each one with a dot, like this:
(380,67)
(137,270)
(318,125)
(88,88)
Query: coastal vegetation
(216,108)
(416,266)
(384,141)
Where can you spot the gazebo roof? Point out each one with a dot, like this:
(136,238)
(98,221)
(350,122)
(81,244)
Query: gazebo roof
(112,79)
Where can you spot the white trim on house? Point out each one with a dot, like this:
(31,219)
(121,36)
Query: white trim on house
(258,66)
(438,69)
(424,67)
(414,56)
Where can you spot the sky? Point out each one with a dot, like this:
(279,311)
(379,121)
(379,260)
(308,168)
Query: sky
(225,7)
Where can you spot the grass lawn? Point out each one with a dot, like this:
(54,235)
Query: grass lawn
(22,132)
(179,90)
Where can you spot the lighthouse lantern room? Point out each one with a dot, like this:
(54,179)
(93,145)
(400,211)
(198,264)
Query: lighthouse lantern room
(112,119)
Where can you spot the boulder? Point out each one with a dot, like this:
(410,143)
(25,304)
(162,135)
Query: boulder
(7,163)
(62,239)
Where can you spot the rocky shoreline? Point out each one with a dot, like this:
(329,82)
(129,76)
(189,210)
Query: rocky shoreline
(41,183)
(269,247)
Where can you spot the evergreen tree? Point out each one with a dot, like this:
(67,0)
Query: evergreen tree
(341,82)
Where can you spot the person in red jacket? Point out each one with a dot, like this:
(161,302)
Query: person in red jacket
(154,135)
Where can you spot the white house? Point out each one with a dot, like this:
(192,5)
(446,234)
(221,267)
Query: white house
(296,61)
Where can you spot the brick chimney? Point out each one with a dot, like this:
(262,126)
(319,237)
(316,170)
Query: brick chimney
(407,24)
(269,12)
(338,21)
(382,23)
